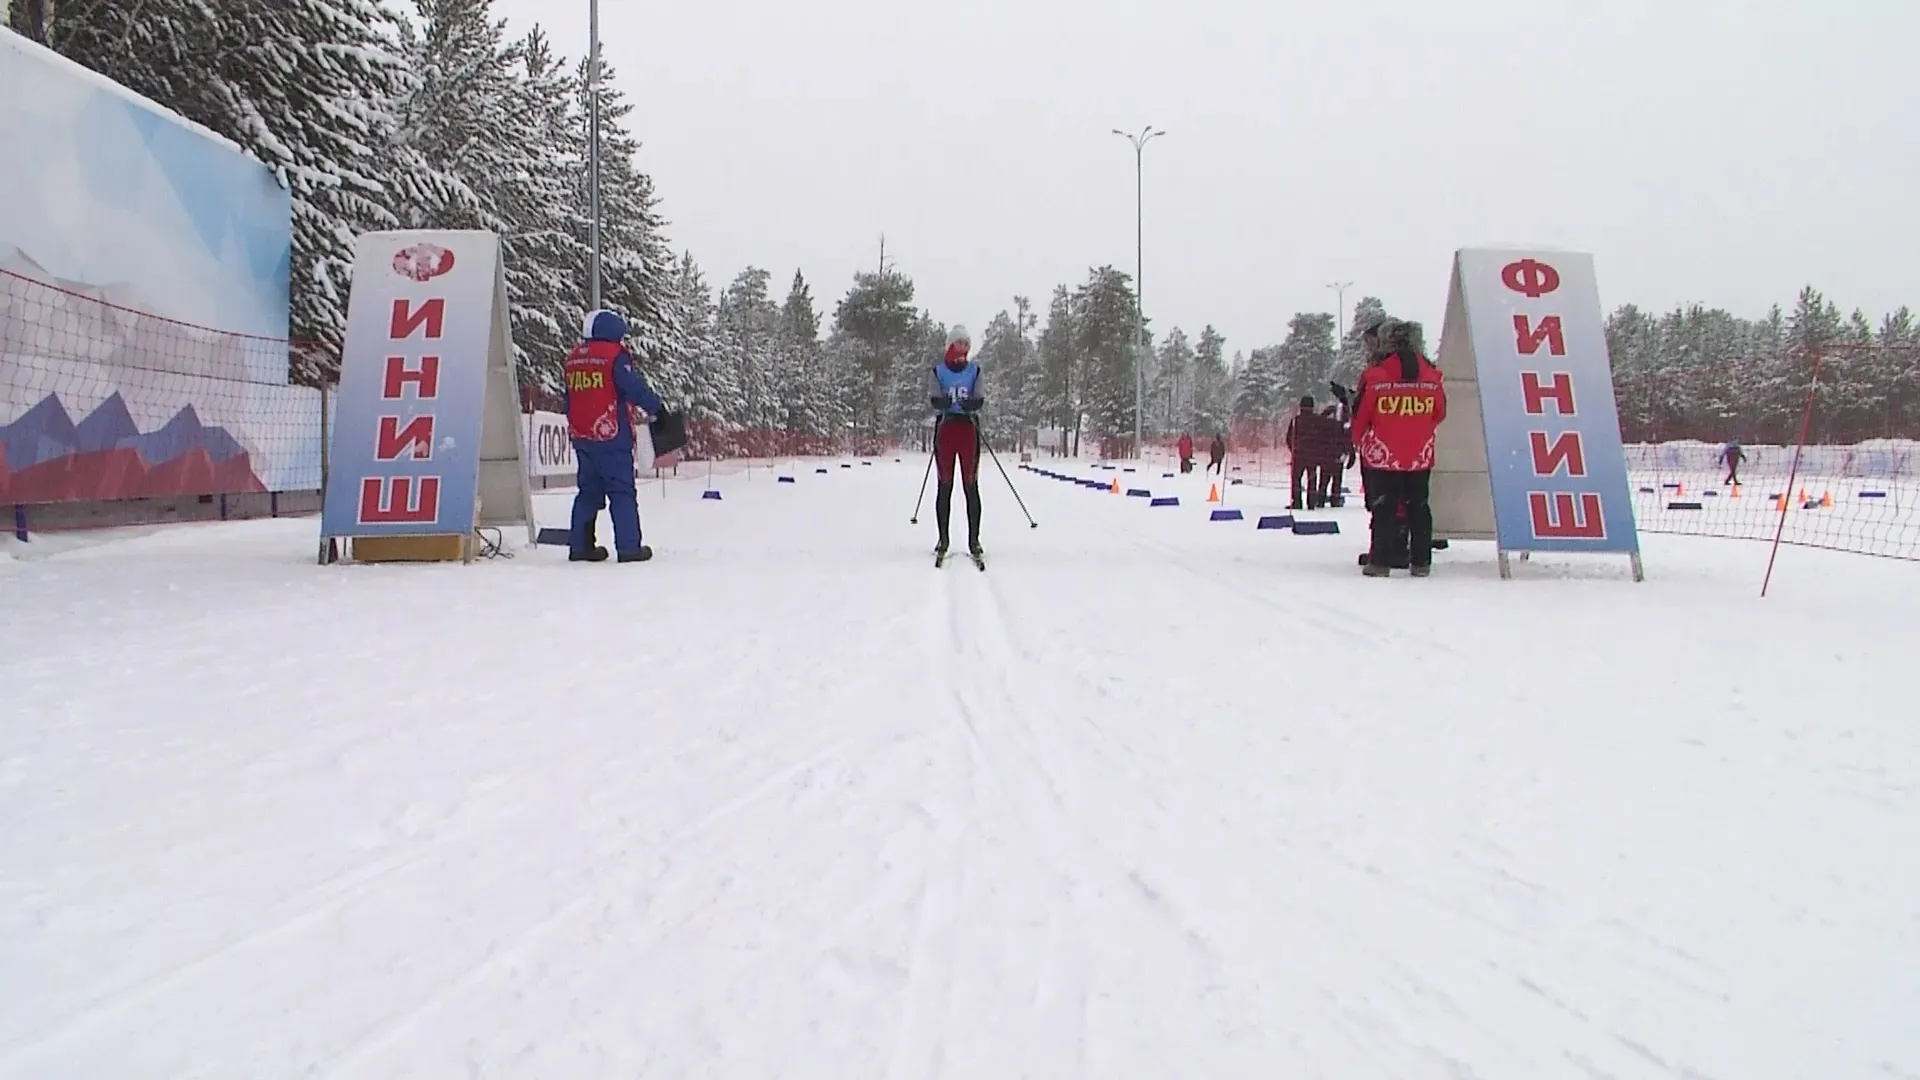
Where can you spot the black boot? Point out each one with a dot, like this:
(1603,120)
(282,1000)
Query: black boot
(640,554)
(595,553)
(942,511)
(973,518)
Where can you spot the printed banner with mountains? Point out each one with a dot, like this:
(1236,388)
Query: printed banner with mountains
(45,456)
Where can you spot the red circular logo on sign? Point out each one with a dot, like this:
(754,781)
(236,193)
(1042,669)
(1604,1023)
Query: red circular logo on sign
(422,262)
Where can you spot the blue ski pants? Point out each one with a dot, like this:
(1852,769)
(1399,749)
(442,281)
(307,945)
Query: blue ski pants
(605,478)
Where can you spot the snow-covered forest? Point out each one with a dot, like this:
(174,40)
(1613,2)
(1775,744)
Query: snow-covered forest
(429,113)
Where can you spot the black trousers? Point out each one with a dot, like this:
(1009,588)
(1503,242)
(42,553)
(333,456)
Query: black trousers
(1400,500)
(1305,478)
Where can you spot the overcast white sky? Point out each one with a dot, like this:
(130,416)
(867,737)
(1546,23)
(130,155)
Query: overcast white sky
(1720,151)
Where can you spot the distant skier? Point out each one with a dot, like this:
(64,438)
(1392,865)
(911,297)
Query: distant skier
(1733,456)
(1185,447)
(602,390)
(1217,455)
(956,399)
(1403,401)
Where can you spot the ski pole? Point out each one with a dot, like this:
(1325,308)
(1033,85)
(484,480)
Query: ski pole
(1016,491)
(915,519)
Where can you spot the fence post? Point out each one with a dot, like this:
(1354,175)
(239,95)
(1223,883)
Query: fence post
(326,406)
(1793,474)
(20,522)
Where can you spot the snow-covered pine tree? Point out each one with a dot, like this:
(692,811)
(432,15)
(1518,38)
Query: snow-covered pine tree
(546,252)
(1060,361)
(747,320)
(306,85)
(1353,357)
(1105,336)
(453,115)
(1900,371)
(637,265)
(1213,384)
(705,381)
(999,352)
(812,406)
(1019,391)
(1631,349)
(926,343)
(162,49)
(478,124)
(1307,358)
(1814,324)
(1261,386)
(303,86)
(1174,390)
(878,319)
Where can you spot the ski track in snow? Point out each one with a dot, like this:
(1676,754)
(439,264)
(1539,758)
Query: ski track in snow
(1152,797)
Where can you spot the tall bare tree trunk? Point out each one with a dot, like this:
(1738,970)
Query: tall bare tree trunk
(36,11)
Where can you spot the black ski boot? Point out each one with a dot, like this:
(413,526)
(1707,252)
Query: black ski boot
(973,521)
(942,512)
(595,553)
(642,554)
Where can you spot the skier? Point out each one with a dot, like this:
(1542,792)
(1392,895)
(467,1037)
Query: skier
(956,399)
(1733,457)
(1403,401)
(602,390)
(1185,447)
(1217,455)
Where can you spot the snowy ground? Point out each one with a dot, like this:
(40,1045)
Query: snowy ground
(1153,797)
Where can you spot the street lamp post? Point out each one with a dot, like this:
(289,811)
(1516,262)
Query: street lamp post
(593,154)
(1147,134)
(1340,305)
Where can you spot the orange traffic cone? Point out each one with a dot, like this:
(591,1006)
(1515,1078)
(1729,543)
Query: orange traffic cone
(1213,492)
(1736,491)
(1826,499)
(1804,497)
(1781,502)
(1116,485)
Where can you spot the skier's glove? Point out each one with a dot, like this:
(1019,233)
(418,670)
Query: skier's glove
(941,402)
(972,404)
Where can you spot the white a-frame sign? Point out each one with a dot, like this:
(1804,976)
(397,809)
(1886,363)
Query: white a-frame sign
(1530,454)
(427,443)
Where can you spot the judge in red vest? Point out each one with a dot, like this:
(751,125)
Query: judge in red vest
(1402,403)
(602,390)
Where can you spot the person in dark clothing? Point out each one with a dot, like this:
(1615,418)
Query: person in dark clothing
(954,393)
(1370,346)
(1336,476)
(1403,401)
(602,389)
(1734,457)
(1303,464)
(1217,455)
(1333,455)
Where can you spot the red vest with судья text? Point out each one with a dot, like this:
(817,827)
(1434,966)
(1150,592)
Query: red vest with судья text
(1395,426)
(593,400)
